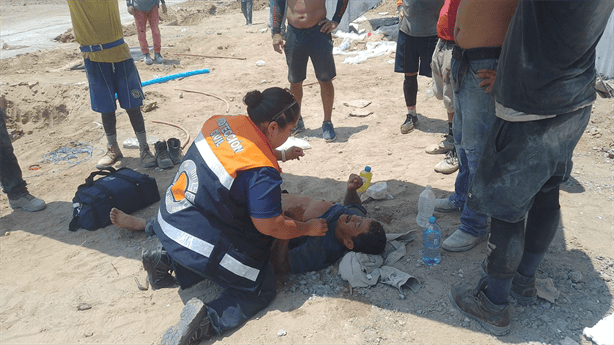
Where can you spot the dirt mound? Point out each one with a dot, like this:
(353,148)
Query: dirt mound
(31,106)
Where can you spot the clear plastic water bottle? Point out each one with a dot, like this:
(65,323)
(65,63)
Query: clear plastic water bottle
(426,206)
(366,179)
(431,243)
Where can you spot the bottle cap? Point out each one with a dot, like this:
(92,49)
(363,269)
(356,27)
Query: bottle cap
(432,220)
(367,168)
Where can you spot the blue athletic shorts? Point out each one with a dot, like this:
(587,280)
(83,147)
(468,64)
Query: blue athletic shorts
(414,54)
(521,159)
(107,79)
(302,44)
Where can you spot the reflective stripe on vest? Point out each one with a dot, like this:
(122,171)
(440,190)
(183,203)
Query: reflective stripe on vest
(212,161)
(193,243)
(238,144)
(205,248)
(238,268)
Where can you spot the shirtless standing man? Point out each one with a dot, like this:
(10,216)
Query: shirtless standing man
(308,36)
(544,94)
(479,32)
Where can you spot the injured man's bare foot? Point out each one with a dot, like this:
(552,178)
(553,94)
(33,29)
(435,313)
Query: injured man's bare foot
(126,221)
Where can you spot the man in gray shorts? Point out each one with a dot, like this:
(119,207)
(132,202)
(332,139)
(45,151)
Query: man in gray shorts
(308,37)
(441,66)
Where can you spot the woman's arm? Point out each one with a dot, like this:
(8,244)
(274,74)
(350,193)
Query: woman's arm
(292,153)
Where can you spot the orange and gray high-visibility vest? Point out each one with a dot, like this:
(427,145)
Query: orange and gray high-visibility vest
(198,224)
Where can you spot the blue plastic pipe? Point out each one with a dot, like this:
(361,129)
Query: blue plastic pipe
(174,76)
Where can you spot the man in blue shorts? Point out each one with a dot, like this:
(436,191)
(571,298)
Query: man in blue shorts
(110,71)
(544,91)
(415,46)
(308,37)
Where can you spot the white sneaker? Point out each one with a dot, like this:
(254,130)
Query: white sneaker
(443,147)
(27,202)
(449,164)
(445,205)
(461,241)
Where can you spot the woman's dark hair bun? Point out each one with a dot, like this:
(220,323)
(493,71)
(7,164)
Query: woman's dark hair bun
(253,98)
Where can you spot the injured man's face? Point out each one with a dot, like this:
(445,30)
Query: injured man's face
(350,226)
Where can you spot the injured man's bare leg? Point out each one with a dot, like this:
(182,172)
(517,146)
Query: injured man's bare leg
(126,221)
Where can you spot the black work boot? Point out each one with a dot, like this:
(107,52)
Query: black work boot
(159,267)
(193,326)
(410,123)
(473,303)
(162,157)
(523,288)
(174,150)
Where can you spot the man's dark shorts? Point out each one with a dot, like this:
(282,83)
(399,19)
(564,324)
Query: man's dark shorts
(302,44)
(107,79)
(521,159)
(414,54)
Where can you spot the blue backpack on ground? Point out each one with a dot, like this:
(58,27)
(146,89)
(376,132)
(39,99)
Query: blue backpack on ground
(124,189)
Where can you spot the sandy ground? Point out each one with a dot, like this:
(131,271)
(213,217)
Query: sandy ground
(47,272)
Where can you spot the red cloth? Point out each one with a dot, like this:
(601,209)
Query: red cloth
(447,19)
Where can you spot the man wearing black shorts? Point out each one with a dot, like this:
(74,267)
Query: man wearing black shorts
(308,37)
(415,47)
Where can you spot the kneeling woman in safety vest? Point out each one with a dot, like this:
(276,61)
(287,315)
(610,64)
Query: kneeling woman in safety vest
(221,213)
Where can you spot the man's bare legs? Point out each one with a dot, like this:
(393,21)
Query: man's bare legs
(327,91)
(297,91)
(126,221)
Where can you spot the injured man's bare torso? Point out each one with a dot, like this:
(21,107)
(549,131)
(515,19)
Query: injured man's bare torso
(303,208)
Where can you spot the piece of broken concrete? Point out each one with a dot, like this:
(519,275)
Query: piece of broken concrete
(546,289)
(357,103)
(149,106)
(360,112)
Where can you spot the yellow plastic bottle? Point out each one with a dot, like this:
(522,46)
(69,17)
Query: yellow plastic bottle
(366,179)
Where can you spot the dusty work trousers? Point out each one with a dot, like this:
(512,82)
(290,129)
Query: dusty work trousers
(10,173)
(141,19)
(246,9)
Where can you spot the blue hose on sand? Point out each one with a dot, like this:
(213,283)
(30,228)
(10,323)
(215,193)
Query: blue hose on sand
(174,76)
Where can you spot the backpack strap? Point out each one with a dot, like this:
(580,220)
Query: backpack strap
(89,181)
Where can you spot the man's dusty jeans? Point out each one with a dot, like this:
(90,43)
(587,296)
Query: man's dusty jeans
(10,172)
(473,117)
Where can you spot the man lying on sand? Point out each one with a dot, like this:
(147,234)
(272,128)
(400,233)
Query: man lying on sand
(349,229)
